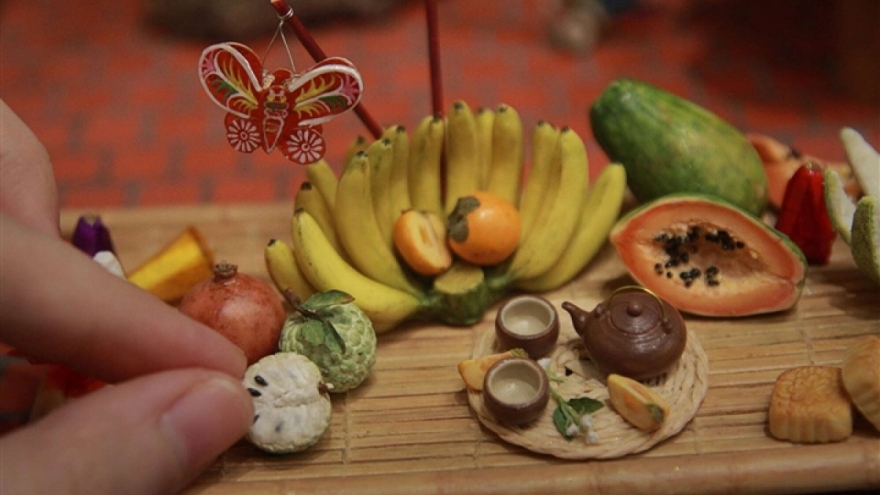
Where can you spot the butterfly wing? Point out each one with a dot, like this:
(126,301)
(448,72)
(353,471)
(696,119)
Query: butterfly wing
(229,73)
(328,89)
(304,145)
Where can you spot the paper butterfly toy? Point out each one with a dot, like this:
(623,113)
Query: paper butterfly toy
(280,109)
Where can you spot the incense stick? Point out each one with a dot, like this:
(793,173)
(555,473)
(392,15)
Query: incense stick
(434,57)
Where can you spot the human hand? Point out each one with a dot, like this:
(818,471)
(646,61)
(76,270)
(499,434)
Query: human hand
(27,183)
(176,401)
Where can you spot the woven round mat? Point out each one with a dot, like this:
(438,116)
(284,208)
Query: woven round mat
(684,387)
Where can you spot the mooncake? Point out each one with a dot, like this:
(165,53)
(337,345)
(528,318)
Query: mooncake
(861,377)
(810,405)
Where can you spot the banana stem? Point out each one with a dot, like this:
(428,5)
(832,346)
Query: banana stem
(285,13)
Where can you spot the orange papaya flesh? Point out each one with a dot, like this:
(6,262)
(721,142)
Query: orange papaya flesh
(707,257)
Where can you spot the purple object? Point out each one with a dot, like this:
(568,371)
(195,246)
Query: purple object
(92,236)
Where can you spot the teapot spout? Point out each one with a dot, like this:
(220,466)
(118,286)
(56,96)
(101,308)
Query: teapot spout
(578,317)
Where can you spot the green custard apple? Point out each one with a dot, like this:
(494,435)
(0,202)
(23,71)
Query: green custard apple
(336,335)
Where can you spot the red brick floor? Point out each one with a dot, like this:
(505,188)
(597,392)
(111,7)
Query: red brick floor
(121,110)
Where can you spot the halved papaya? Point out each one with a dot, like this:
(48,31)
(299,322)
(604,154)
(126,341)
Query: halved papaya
(705,256)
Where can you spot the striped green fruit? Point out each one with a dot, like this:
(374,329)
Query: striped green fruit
(670,145)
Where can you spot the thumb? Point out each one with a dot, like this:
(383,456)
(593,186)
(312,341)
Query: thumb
(150,435)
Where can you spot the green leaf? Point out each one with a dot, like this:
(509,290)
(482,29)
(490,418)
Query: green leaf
(457,224)
(466,204)
(585,405)
(312,332)
(321,300)
(562,422)
(332,339)
(657,412)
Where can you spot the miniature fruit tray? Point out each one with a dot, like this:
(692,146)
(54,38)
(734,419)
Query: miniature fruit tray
(409,428)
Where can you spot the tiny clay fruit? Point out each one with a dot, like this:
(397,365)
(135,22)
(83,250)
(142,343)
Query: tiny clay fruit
(858,223)
(637,403)
(292,408)
(244,309)
(707,257)
(484,229)
(420,239)
(671,145)
(804,217)
(336,335)
(781,161)
(176,268)
(866,237)
(473,371)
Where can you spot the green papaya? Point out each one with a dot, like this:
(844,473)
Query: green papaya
(671,145)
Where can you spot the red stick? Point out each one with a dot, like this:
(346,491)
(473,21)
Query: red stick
(434,57)
(285,12)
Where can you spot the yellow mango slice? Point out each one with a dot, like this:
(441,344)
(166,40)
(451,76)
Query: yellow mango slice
(473,370)
(638,404)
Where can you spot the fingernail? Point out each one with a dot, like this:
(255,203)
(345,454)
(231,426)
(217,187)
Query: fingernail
(207,419)
(242,363)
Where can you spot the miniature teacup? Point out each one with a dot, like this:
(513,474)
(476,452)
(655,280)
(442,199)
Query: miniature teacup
(529,323)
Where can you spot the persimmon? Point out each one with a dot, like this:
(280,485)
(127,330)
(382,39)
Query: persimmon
(420,239)
(781,161)
(483,228)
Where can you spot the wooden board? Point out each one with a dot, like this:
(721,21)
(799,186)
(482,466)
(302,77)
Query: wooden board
(409,429)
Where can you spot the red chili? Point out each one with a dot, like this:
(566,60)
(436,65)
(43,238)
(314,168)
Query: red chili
(803,216)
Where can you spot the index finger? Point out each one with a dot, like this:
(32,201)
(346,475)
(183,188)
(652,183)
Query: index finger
(65,308)
(27,181)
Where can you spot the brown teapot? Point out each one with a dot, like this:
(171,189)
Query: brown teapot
(634,333)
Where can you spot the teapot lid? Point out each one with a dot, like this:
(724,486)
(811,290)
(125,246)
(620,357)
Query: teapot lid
(636,310)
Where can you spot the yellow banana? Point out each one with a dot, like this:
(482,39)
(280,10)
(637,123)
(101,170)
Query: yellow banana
(485,119)
(359,231)
(398,188)
(600,212)
(359,144)
(381,157)
(323,178)
(544,139)
(425,166)
(284,271)
(461,155)
(311,200)
(549,236)
(325,269)
(505,174)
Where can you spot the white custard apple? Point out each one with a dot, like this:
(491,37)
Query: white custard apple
(292,408)
(336,335)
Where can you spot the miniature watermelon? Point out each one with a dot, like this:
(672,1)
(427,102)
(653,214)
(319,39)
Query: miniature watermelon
(708,257)
(670,145)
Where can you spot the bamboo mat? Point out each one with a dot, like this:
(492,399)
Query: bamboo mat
(409,430)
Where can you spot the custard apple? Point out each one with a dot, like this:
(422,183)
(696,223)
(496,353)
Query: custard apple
(336,335)
(291,406)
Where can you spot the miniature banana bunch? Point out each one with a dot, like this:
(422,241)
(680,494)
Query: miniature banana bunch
(343,228)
